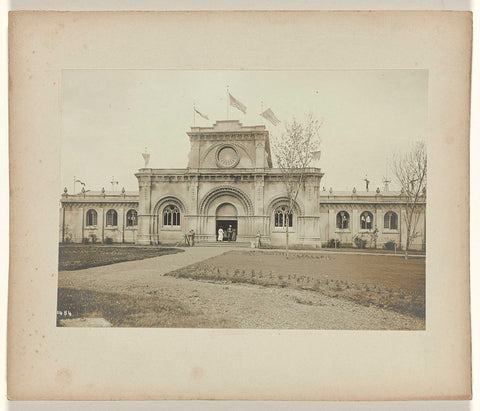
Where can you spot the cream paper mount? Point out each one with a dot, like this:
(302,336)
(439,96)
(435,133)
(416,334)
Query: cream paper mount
(46,362)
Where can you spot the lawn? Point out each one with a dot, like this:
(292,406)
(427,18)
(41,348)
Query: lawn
(76,257)
(124,310)
(384,281)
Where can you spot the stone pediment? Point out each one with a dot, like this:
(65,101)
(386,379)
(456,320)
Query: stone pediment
(227,126)
(228,144)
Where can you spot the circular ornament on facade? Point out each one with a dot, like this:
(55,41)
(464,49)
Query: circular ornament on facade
(227,157)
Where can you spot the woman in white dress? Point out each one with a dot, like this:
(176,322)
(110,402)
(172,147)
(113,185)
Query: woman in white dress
(220,234)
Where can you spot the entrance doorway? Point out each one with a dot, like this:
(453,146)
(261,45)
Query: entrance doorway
(224,224)
(226,216)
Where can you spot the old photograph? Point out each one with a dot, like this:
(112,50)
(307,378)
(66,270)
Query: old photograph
(239,205)
(243,199)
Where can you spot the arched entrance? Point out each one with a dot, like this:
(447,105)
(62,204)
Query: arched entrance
(226,218)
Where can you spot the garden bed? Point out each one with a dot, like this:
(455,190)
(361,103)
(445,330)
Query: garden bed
(386,282)
(76,257)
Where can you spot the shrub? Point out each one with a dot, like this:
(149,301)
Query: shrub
(109,240)
(86,240)
(359,242)
(93,237)
(390,245)
(333,243)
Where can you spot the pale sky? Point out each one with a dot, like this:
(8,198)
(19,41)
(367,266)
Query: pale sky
(110,116)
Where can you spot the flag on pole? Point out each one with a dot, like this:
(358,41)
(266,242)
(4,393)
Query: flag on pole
(316,155)
(237,104)
(270,116)
(146,158)
(316,158)
(202,115)
(81,182)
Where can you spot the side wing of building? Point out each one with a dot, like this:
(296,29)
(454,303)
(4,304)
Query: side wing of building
(99,217)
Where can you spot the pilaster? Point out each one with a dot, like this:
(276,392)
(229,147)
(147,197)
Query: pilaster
(260,154)
(193,195)
(259,194)
(331,224)
(144,210)
(355,222)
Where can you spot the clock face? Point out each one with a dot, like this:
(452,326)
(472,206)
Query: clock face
(227,157)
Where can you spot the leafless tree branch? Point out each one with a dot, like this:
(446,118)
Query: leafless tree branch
(410,171)
(294,150)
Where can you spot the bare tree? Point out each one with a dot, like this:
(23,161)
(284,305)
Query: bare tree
(410,170)
(294,151)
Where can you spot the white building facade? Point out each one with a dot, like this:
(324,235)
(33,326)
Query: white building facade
(230,182)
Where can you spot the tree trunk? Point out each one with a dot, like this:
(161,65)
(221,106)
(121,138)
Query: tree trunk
(286,238)
(407,243)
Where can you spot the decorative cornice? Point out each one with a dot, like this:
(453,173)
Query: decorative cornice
(97,204)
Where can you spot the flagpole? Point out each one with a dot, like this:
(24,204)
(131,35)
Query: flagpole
(261,111)
(228,98)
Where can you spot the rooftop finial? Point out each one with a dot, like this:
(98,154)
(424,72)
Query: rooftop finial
(386,181)
(146,157)
(114,183)
(367,182)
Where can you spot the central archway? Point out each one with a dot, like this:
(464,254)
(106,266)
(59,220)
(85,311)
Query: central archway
(221,191)
(211,203)
(226,219)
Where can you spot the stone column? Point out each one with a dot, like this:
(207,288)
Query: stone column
(194,154)
(378,224)
(331,224)
(144,211)
(192,203)
(259,154)
(259,204)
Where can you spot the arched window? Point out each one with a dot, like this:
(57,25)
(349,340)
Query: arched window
(111,218)
(282,215)
(343,219)
(390,220)
(366,220)
(131,218)
(171,216)
(91,217)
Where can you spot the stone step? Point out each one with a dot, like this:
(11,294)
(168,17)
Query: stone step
(222,244)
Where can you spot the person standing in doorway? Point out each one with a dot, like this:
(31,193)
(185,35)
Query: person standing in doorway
(220,234)
(234,235)
(229,233)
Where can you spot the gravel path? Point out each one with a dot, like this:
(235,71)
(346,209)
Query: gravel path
(235,305)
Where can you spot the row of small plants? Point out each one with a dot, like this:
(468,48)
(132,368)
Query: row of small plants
(294,255)
(359,242)
(92,239)
(406,302)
